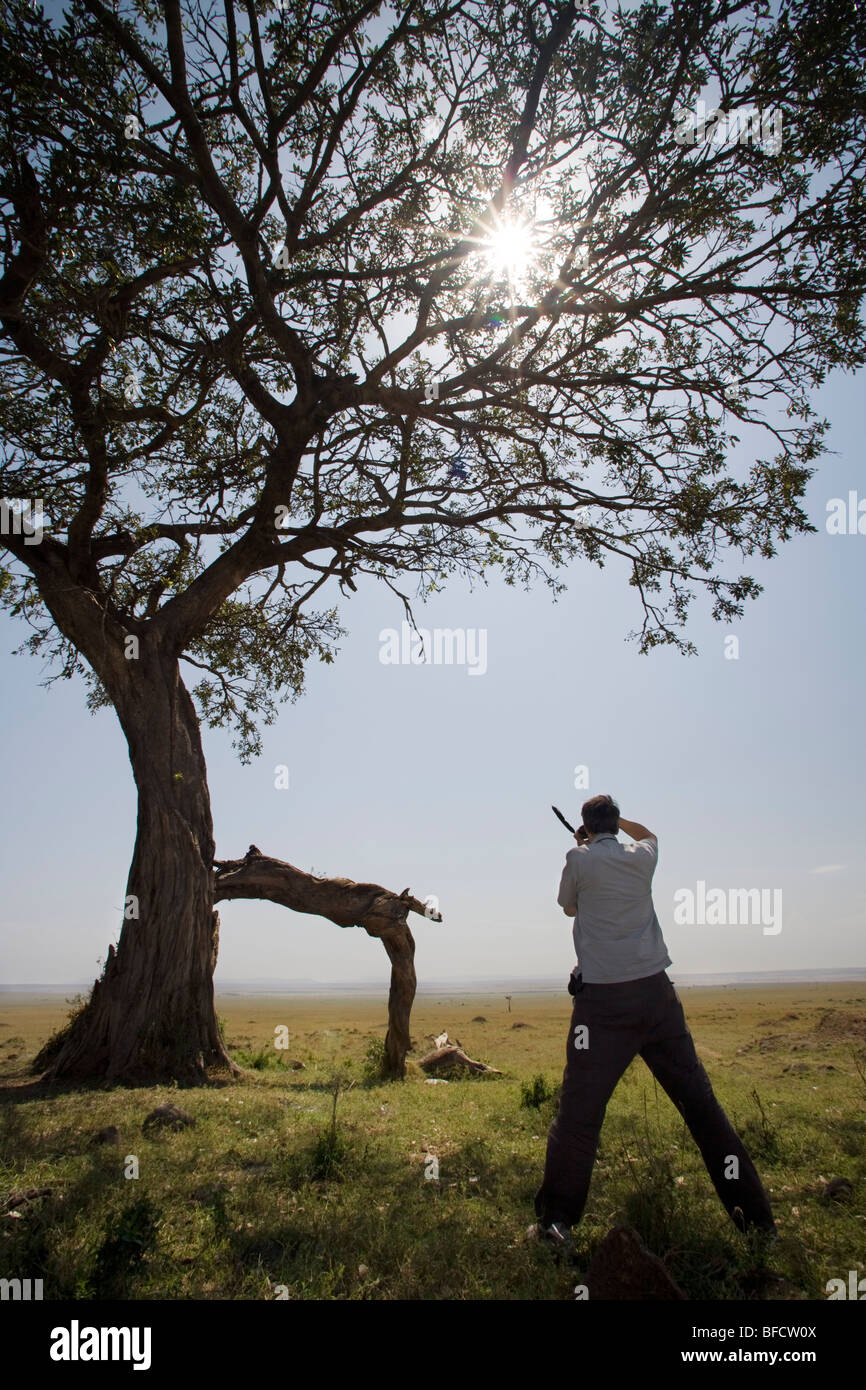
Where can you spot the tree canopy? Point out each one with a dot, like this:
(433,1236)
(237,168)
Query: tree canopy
(300,293)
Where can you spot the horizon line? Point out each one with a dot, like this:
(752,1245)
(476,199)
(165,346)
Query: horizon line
(469,984)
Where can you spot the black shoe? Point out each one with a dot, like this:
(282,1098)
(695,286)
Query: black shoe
(762,1231)
(558,1237)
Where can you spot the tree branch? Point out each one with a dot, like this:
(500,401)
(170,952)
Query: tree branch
(378,910)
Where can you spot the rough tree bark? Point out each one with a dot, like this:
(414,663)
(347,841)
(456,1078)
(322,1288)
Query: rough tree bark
(152,1015)
(380,912)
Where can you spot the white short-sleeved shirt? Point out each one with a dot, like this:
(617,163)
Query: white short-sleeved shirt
(617,936)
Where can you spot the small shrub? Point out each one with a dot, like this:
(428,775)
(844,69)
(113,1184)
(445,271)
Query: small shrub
(330,1150)
(653,1204)
(374,1060)
(122,1253)
(51,1049)
(259,1059)
(760,1136)
(535,1093)
(217,1203)
(329,1155)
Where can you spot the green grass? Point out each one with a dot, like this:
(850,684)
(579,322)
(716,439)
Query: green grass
(315,1179)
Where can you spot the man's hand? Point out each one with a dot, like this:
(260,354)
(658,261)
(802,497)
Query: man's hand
(580,835)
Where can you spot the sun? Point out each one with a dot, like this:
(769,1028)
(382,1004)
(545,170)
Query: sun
(507,250)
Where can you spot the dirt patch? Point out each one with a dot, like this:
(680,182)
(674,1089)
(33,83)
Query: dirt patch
(774,1043)
(787,1042)
(839,1023)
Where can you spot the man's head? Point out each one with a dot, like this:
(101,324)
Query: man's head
(600,815)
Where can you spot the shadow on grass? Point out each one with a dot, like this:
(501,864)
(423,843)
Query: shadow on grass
(106,1263)
(14,1092)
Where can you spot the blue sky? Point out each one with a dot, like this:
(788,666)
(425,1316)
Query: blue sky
(751,771)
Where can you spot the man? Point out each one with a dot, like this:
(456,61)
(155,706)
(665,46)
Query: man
(625,1004)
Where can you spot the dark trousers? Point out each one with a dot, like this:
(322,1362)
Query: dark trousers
(615,1023)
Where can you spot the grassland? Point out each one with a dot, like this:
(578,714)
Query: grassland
(310,1183)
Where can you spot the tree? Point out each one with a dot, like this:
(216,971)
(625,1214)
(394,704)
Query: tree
(294,294)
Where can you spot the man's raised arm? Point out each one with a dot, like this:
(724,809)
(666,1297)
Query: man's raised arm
(636,830)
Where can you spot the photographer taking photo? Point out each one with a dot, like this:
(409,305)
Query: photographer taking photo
(625,1005)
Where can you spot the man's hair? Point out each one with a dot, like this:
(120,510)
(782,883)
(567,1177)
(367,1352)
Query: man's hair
(600,815)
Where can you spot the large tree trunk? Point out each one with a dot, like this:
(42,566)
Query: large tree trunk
(151,1015)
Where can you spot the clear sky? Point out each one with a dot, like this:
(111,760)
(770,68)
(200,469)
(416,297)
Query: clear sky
(751,771)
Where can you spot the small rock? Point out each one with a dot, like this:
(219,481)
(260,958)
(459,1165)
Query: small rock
(363,1271)
(109,1135)
(167,1117)
(521,1025)
(435,1081)
(839,1190)
(479,1018)
(298,1066)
